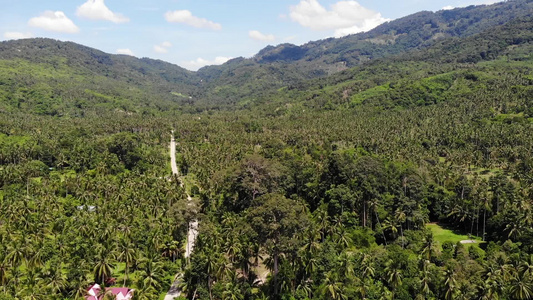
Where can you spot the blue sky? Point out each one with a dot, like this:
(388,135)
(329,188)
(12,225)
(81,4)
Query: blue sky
(194,33)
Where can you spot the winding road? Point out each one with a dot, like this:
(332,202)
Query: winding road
(192,233)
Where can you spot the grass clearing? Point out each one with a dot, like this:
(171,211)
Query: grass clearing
(442,234)
(179,95)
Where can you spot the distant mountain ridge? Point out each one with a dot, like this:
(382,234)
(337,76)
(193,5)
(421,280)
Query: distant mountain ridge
(39,73)
(43,50)
(285,64)
(413,31)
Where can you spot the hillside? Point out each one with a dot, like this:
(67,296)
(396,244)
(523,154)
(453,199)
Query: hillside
(421,77)
(286,64)
(106,81)
(61,78)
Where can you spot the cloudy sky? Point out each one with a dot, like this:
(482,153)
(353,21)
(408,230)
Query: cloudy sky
(194,33)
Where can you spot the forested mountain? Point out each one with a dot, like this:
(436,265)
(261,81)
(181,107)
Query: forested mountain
(58,78)
(352,168)
(106,80)
(275,67)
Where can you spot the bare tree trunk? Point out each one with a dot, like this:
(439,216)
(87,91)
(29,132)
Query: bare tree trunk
(209,285)
(477,222)
(484,221)
(276,273)
(364,213)
(472,225)
(401,231)
(125,274)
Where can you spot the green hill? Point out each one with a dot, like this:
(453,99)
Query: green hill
(286,64)
(66,77)
(62,78)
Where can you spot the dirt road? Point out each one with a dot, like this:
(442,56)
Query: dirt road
(174,291)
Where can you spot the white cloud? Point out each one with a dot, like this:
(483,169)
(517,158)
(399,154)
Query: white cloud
(160,49)
(54,21)
(186,17)
(12,35)
(125,51)
(200,62)
(344,17)
(448,7)
(97,10)
(258,36)
(163,47)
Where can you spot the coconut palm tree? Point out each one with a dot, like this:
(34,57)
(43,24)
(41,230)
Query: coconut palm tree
(80,292)
(345,266)
(374,205)
(514,229)
(521,287)
(232,291)
(429,248)
(332,288)
(393,275)
(16,255)
(425,278)
(502,267)
(57,280)
(151,273)
(311,244)
(104,265)
(127,255)
(212,263)
(305,287)
(36,259)
(30,293)
(342,238)
(322,219)
(526,266)
(465,291)
(489,289)
(401,216)
(450,283)
(4,274)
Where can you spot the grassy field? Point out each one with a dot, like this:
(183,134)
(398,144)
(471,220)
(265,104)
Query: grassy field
(442,234)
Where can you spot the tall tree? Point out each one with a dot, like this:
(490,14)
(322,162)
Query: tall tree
(277,220)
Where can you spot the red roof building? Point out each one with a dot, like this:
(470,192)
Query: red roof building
(94,293)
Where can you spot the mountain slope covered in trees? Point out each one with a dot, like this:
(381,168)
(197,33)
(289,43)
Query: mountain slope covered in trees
(275,67)
(106,80)
(67,78)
